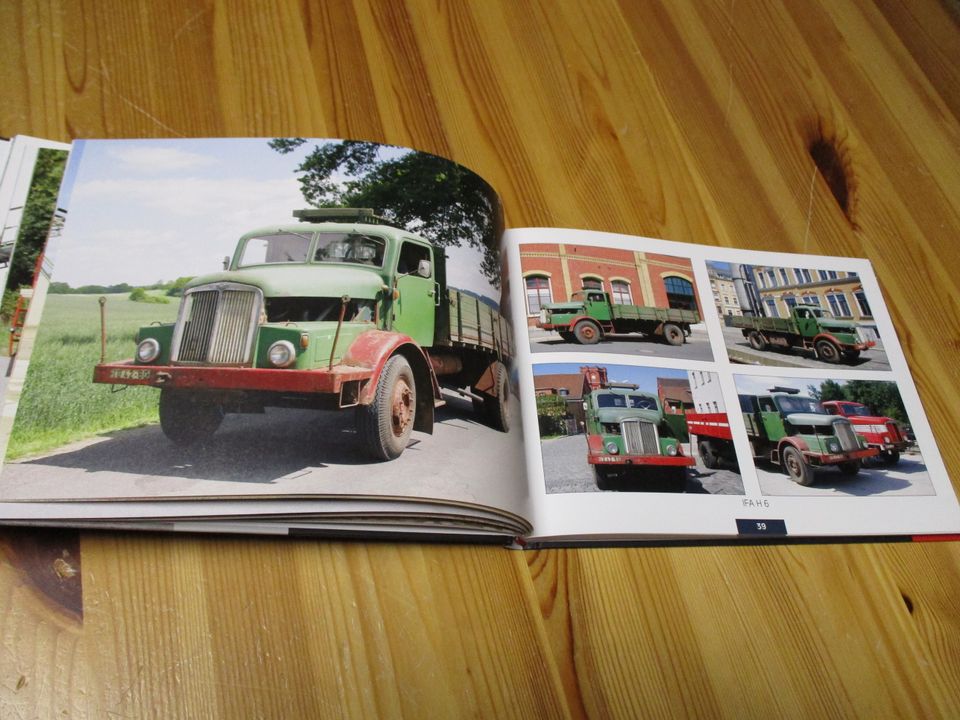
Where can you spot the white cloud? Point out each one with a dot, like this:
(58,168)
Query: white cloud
(154,160)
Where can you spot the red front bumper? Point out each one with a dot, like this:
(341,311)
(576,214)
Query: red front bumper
(230,378)
(639,460)
(835,458)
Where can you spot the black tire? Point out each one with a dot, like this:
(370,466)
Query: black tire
(603,477)
(889,457)
(828,352)
(796,466)
(757,341)
(568,336)
(710,458)
(851,356)
(384,426)
(188,417)
(495,411)
(587,332)
(851,467)
(672,334)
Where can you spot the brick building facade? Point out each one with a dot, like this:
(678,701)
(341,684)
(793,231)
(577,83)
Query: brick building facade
(552,273)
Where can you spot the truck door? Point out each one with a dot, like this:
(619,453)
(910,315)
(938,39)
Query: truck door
(415,310)
(806,322)
(771,418)
(598,307)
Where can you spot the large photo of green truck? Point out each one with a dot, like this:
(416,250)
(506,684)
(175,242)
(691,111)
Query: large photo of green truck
(802,444)
(254,317)
(795,317)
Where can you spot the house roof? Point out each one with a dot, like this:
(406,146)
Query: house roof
(571,382)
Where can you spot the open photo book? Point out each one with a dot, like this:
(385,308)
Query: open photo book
(317,336)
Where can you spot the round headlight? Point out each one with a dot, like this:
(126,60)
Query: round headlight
(612,448)
(671,450)
(148,351)
(886,438)
(282,353)
(833,446)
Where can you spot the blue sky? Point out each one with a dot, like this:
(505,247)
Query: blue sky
(644,377)
(139,211)
(760,385)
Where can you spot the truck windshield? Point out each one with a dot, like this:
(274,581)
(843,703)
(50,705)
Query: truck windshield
(350,248)
(636,402)
(790,404)
(281,247)
(850,409)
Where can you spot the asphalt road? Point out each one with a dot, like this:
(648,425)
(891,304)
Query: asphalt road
(740,351)
(697,346)
(283,452)
(908,477)
(566,470)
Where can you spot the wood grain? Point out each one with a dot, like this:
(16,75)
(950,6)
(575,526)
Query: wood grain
(687,120)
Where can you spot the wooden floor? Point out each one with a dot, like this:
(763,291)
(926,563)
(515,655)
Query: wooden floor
(689,120)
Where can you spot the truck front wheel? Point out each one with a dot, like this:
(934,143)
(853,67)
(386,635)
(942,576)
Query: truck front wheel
(672,334)
(188,417)
(710,457)
(797,468)
(851,467)
(889,457)
(827,351)
(587,332)
(385,424)
(568,336)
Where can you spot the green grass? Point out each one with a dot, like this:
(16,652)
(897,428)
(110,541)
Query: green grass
(60,402)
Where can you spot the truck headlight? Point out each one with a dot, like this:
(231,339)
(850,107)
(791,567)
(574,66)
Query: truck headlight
(671,450)
(282,353)
(612,448)
(833,446)
(148,350)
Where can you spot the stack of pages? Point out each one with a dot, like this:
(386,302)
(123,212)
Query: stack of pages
(314,336)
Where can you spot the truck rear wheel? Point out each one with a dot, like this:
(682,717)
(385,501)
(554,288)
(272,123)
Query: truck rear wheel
(188,417)
(796,466)
(757,341)
(827,351)
(710,458)
(587,332)
(672,334)
(385,424)
(495,411)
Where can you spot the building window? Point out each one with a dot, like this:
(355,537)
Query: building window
(621,292)
(838,305)
(832,274)
(861,298)
(790,301)
(680,293)
(772,310)
(811,300)
(760,281)
(784,278)
(803,275)
(538,293)
(591,283)
(771,279)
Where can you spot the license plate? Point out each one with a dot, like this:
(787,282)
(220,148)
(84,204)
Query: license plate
(129,374)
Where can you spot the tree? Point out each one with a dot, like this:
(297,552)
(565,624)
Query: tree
(882,398)
(434,197)
(828,390)
(551,413)
(37,216)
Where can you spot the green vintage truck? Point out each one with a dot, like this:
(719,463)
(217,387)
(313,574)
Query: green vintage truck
(795,432)
(807,328)
(628,432)
(590,315)
(339,311)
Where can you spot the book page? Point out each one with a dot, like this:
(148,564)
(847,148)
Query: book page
(199,341)
(685,391)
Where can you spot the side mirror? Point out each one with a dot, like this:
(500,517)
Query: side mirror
(423,269)
(226,262)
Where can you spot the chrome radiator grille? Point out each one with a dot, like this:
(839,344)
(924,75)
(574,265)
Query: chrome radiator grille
(848,438)
(640,438)
(217,325)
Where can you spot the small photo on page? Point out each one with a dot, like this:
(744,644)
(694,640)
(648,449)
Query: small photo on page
(795,317)
(633,428)
(594,299)
(812,437)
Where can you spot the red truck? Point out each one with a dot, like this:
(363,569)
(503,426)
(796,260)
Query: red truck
(883,433)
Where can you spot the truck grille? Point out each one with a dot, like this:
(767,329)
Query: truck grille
(640,438)
(865,333)
(846,435)
(217,325)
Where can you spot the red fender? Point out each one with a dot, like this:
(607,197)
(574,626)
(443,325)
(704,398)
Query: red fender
(795,442)
(604,327)
(373,348)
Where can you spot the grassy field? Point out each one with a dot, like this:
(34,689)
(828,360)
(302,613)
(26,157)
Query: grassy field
(60,403)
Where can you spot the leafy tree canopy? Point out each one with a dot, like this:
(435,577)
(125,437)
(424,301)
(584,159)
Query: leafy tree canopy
(436,198)
(882,398)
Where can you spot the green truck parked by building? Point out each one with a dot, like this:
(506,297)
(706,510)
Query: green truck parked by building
(796,433)
(590,314)
(808,328)
(339,311)
(628,432)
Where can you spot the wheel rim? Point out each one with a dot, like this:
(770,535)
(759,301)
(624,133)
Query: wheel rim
(793,465)
(675,335)
(587,332)
(828,352)
(401,408)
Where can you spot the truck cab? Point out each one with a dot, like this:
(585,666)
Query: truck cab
(883,433)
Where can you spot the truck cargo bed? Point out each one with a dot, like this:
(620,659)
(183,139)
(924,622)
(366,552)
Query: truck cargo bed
(474,323)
